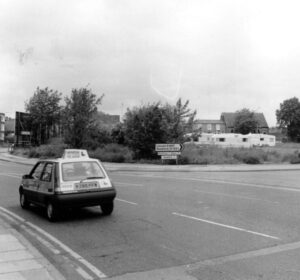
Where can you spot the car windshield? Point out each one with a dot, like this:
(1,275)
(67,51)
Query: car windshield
(83,170)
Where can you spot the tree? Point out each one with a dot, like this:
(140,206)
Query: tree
(179,120)
(155,123)
(245,122)
(118,134)
(44,110)
(80,117)
(288,115)
(144,128)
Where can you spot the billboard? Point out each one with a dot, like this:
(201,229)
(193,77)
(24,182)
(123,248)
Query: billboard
(22,129)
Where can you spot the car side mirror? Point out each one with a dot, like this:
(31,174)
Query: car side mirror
(27,176)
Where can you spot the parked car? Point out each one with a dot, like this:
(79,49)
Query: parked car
(75,180)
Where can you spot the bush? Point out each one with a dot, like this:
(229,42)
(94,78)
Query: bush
(112,153)
(295,160)
(251,160)
(46,151)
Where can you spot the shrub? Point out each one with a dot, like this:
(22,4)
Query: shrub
(112,153)
(46,151)
(295,160)
(251,160)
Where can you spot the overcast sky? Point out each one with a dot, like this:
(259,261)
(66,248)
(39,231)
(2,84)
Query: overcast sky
(222,55)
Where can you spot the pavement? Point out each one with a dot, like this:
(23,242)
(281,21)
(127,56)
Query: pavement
(20,260)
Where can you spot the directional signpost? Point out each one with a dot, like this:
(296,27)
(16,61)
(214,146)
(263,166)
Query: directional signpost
(169,151)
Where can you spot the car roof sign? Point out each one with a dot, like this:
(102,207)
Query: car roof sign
(75,153)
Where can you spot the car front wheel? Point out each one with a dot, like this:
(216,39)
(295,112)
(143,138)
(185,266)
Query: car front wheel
(23,201)
(51,211)
(107,207)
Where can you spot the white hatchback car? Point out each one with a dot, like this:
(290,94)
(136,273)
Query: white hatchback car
(75,180)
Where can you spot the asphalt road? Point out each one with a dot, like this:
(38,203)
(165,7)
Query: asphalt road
(216,225)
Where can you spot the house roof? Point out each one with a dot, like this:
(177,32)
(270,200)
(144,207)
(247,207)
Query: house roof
(209,121)
(228,118)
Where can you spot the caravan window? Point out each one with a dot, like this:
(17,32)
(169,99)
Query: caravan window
(221,139)
(245,139)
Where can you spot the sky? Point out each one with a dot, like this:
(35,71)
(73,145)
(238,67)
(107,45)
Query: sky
(221,55)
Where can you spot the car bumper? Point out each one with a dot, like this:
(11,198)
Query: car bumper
(82,199)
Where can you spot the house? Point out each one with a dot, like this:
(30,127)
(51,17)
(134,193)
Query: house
(226,124)
(209,126)
(229,118)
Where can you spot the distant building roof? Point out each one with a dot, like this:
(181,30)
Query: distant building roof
(10,125)
(229,118)
(209,121)
(108,120)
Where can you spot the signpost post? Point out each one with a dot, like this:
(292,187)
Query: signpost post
(169,151)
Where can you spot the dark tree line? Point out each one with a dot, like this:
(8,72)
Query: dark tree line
(288,116)
(79,124)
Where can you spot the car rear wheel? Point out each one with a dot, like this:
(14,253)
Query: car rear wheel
(23,201)
(107,207)
(51,211)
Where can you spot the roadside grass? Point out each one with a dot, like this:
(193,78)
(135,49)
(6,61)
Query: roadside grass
(206,154)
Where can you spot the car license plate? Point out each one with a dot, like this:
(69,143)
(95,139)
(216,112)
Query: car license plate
(87,185)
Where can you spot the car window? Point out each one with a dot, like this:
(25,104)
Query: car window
(47,172)
(36,173)
(73,171)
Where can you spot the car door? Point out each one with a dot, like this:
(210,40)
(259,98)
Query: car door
(32,184)
(46,186)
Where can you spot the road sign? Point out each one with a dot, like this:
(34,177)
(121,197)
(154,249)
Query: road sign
(168,147)
(168,157)
(168,153)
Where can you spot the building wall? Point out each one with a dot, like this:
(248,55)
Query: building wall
(2,127)
(209,127)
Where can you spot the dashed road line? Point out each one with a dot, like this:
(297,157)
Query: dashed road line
(128,184)
(224,225)
(283,188)
(126,201)
(12,175)
(238,196)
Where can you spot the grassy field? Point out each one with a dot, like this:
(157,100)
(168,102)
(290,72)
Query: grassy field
(281,153)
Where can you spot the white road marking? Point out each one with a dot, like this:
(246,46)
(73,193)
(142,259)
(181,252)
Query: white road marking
(76,256)
(12,214)
(237,196)
(128,184)
(225,226)
(84,274)
(216,181)
(42,240)
(10,175)
(247,255)
(126,201)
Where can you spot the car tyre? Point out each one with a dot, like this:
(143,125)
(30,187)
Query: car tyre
(52,212)
(107,207)
(23,201)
